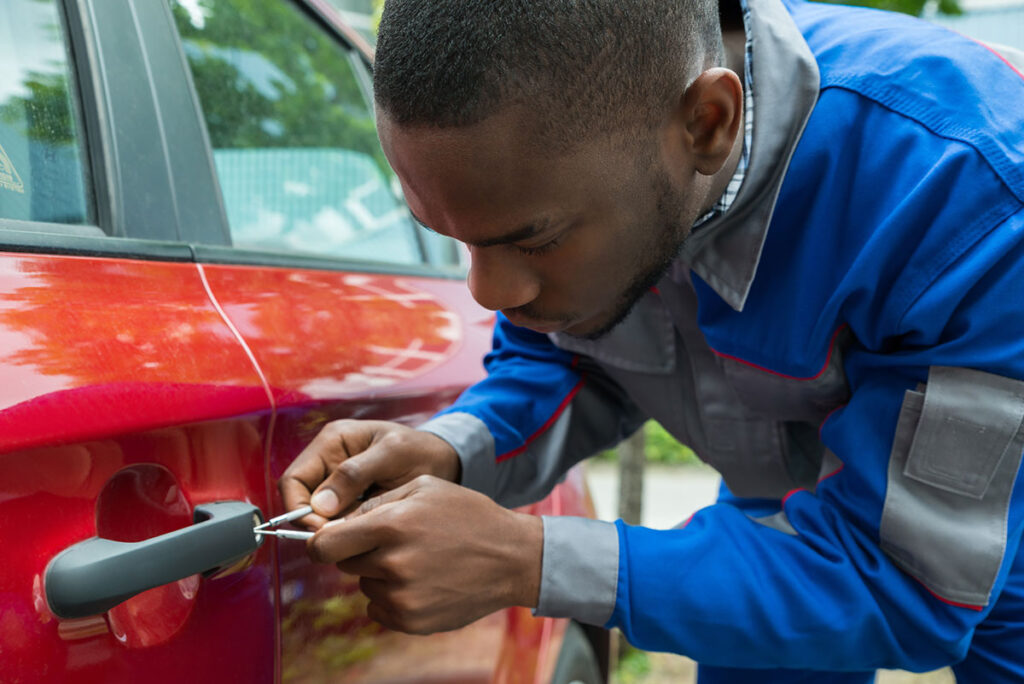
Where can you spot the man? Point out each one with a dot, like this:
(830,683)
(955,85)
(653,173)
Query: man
(806,262)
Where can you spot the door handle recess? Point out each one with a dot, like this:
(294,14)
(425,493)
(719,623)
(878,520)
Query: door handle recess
(93,576)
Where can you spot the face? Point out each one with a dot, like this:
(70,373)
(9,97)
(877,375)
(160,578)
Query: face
(563,242)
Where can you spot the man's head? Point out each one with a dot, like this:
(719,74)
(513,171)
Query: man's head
(569,144)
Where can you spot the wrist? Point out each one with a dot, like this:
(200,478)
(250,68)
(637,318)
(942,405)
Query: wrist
(446,462)
(527,558)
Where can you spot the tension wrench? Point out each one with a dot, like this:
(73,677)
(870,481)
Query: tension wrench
(287,534)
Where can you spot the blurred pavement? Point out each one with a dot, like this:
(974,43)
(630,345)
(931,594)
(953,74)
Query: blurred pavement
(671,493)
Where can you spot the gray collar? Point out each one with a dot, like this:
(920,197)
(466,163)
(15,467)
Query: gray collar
(726,250)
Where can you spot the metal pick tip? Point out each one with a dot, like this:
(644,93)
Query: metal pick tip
(287,517)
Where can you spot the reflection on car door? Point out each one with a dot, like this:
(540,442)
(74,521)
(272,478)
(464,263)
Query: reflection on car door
(126,399)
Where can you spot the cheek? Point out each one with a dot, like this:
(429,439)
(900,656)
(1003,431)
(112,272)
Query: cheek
(588,274)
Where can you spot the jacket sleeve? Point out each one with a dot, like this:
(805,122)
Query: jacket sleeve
(539,411)
(899,552)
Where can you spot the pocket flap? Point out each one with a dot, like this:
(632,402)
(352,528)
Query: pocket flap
(967,423)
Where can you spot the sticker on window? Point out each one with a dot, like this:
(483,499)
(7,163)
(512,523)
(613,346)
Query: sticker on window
(9,178)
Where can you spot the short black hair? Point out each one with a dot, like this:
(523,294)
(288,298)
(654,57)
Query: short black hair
(590,65)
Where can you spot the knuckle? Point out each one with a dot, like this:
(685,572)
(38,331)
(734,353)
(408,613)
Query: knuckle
(393,441)
(394,569)
(389,523)
(350,470)
(333,430)
(404,604)
(368,505)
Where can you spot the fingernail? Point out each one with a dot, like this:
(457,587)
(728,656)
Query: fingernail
(325,502)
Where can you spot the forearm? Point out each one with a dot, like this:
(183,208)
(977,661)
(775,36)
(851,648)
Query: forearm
(539,411)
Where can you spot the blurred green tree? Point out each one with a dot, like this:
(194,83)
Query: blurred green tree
(267,76)
(912,7)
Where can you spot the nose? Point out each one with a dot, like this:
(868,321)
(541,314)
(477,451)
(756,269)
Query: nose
(497,280)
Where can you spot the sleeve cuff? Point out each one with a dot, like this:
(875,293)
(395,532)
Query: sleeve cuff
(579,569)
(474,444)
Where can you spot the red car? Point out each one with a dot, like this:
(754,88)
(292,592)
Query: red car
(203,259)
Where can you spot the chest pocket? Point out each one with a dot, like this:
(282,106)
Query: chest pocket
(754,423)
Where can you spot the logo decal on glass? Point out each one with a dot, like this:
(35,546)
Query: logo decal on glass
(9,178)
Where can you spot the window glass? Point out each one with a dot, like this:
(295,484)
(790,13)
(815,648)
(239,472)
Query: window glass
(42,174)
(293,138)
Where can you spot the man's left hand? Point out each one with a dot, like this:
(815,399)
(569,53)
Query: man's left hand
(433,556)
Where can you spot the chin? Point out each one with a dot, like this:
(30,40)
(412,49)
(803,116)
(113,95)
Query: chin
(595,328)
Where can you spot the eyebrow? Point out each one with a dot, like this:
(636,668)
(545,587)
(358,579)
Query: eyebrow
(523,233)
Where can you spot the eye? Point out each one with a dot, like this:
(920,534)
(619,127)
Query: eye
(540,249)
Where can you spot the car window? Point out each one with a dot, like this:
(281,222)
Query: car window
(43,176)
(293,138)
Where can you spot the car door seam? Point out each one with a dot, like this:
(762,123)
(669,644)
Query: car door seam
(238,336)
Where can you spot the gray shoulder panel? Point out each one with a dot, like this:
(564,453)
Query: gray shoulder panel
(954,461)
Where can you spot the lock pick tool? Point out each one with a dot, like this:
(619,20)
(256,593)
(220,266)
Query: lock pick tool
(268,528)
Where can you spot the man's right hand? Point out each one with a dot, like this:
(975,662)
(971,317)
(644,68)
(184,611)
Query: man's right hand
(350,456)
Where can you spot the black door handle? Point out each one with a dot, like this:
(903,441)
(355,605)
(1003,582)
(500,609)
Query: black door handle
(93,576)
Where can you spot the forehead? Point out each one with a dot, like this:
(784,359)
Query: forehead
(478,181)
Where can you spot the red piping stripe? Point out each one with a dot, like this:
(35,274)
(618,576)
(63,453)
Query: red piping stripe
(790,493)
(834,472)
(968,606)
(831,347)
(822,426)
(546,425)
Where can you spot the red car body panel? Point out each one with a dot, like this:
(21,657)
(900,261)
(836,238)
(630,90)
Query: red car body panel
(128,395)
(126,401)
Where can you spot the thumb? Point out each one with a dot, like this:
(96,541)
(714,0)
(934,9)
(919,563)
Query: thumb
(351,478)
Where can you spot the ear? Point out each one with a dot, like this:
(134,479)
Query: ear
(713,106)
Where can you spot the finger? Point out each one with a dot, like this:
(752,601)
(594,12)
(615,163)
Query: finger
(312,522)
(382,615)
(342,539)
(312,465)
(353,476)
(366,565)
(388,607)
(377,590)
(384,498)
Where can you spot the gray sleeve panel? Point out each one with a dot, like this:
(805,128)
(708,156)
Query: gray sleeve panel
(599,417)
(778,521)
(952,468)
(474,444)
(580,569)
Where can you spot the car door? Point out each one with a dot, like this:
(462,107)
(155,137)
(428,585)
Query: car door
(128,403)
(349,309)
